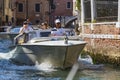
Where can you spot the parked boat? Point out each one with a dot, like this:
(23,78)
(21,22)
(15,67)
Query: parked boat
(9,34)
(6,35)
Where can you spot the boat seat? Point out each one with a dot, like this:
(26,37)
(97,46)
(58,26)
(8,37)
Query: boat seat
(45,34)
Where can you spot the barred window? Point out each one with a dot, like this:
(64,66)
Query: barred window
(37,7)
(20,7)
(68,5)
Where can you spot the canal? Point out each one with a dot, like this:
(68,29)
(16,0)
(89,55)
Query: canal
(10,71)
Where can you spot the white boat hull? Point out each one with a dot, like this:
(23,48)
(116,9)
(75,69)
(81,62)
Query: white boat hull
(57,53)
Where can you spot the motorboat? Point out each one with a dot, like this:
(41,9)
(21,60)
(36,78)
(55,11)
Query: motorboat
(54,51)
(59,51)
(9,34)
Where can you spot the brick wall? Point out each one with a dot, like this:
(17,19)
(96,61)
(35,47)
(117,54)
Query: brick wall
(34,16)
(103,29)
(61,9)
(104,46)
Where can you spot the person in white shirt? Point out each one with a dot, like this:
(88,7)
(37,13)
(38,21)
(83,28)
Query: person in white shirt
(58,30)
(23,30)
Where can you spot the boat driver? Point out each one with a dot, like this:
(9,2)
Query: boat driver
(58,30)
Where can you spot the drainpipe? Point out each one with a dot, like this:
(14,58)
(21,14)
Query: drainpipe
(49,13)
(118,10)
(92,20)
(26,3)
(82,15)
(14,9)
(1,12)
(119,15)
(49,4)
(92,14)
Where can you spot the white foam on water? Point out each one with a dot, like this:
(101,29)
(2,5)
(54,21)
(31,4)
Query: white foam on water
(45,66)
(86,60)
(5,52)
(5,55)
(26,67)
(49,78)
(39,67)
(10,71)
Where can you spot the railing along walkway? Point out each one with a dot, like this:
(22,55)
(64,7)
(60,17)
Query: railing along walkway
(92,35)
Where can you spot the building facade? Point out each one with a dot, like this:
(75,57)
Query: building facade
(61,9)
(5,12)
(1,12)
(36,10)
(42,10)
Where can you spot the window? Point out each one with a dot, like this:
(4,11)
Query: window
(20,7)
(37,7)
(68,5)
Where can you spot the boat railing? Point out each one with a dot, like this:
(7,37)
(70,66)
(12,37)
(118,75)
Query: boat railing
(55,38)
(25,37)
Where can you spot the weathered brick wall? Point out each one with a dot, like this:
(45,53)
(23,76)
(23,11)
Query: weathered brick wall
(102,29)
(105,51)
(105,46)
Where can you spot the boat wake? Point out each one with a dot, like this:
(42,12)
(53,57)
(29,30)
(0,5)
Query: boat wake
(10,71)
(87,63)
(6,63)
